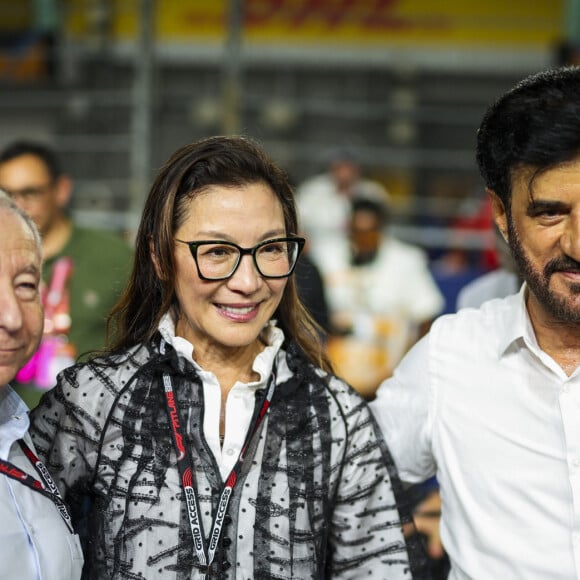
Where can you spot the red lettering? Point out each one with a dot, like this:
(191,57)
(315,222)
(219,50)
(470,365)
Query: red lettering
(174,418)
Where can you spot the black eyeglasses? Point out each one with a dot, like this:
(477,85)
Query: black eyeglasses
(216,260)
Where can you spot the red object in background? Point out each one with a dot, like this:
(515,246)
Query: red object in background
(482,220)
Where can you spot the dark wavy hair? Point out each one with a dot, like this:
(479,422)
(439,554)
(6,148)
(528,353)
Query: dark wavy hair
(221,161)
(536,124)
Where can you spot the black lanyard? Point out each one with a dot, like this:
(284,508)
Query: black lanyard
(46,487)
(206,551)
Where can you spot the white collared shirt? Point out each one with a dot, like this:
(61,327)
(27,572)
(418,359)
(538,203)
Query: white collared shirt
(241,399)
(479,404)
(35,543)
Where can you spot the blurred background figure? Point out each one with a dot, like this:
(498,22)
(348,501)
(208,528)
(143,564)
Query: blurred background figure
(83,273)
(36,538)
(498,283)
(471,252)
(324,202)
(311,290)
(381,294)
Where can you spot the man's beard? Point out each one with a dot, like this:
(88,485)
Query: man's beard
(560,307)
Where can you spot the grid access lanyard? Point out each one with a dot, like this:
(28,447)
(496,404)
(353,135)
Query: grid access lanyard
(46,487)
(206,553)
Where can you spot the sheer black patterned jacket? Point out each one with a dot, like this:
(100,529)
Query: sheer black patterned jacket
(316,496)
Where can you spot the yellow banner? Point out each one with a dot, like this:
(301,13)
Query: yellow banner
(361,22)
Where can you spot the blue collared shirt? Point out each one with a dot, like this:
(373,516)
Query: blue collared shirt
(35,543)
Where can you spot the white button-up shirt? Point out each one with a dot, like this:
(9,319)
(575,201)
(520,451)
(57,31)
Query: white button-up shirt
(241,399)
(479,404)
(35,543)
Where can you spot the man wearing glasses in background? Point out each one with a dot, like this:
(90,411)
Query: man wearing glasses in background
(84,269)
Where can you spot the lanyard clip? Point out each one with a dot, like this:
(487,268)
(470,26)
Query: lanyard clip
(208,570)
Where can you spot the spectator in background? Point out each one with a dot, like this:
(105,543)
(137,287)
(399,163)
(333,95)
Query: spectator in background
(489,400)
(498,283)
(36,538)
(324,203)
(471,252)
(84,269)
(381,296)
(311,291)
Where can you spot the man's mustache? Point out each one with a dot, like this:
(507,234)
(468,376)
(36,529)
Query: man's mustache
(562,264)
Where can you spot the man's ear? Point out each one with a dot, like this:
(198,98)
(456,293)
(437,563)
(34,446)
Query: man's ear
(155,260)
(499,213)
(63,188)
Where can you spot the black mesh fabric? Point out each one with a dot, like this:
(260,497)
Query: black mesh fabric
(316,498)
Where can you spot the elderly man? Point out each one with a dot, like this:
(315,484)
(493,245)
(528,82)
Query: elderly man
(489,400)
(36,538)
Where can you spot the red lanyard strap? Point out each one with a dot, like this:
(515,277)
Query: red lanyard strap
(206,552)
(46,487)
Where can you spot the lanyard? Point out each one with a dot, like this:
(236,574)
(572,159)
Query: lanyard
(46,487)
(56,299)
(206,553)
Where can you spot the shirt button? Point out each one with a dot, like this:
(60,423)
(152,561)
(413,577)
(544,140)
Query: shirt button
(566,389)
(230,451)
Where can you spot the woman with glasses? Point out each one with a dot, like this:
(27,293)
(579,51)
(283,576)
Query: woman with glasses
(212,438)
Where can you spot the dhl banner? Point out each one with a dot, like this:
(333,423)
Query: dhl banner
(522,23)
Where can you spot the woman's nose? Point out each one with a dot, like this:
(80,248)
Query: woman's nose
(246,278)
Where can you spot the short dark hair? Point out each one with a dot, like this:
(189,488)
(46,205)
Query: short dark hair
(45,153)
(536,124)
(378,208)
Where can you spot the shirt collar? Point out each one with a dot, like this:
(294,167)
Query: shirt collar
(272,336)
(14,421)
(516,322)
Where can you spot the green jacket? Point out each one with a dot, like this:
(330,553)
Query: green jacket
(102,263)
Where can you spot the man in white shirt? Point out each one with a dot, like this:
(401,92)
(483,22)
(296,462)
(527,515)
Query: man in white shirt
(36,538)
(489,400)
(381,295)
(324,202)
